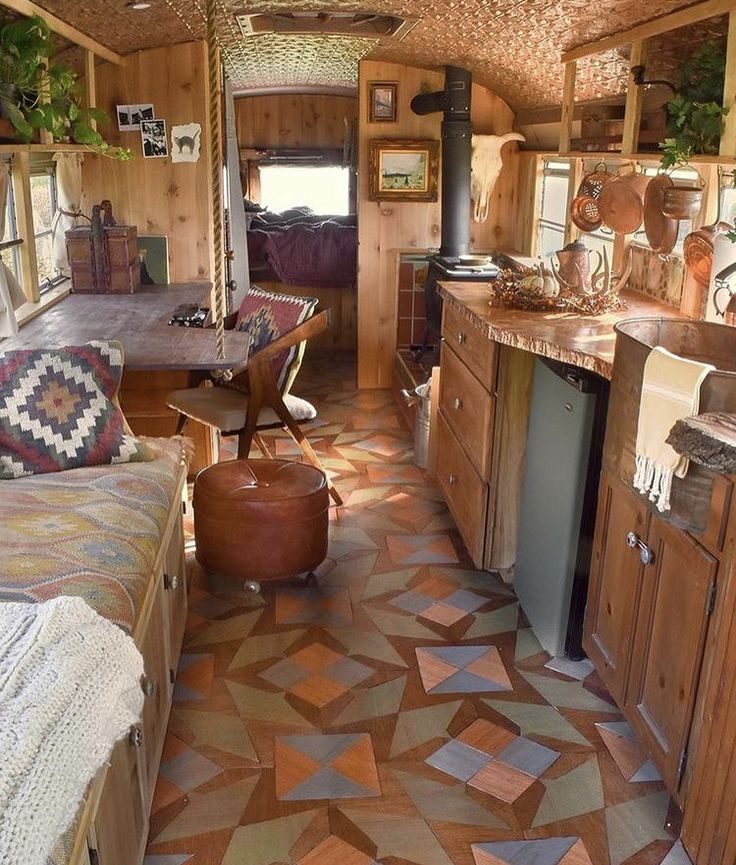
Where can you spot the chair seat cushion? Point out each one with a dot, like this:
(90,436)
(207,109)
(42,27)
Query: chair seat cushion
(226,409)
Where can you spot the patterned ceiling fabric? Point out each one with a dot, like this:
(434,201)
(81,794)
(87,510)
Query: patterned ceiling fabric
(513,46)
(90,532)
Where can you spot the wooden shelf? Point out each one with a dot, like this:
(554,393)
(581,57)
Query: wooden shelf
(701,159)
(57,147)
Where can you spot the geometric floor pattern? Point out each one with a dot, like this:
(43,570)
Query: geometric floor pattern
(398,712)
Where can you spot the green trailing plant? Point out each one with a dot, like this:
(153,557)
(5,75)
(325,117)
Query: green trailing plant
(37,93)
(696,112)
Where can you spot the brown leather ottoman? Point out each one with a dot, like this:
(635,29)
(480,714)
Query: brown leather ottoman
(260,520)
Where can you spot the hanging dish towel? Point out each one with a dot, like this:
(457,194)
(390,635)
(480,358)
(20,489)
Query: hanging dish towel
(670,391)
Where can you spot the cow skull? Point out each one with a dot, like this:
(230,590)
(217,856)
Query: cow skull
(485,168)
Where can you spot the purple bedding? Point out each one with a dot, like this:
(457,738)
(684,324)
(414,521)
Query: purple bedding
(323,254)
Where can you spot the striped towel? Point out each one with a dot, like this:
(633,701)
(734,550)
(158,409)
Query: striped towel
(670,391)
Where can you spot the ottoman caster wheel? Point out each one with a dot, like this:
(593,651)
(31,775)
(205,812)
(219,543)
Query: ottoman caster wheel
(310,579)
(252,586)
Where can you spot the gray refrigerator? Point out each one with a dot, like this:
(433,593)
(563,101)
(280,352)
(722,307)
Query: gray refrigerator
(559,494)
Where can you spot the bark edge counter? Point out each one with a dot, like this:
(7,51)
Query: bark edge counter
(487,365)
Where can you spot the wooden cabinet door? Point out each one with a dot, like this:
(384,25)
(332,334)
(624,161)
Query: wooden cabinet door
(120,821)
(675,605)
(615,583)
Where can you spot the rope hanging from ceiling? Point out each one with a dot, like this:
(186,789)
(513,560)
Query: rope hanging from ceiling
(213,72)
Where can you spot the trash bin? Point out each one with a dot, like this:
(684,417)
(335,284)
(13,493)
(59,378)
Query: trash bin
(420,398)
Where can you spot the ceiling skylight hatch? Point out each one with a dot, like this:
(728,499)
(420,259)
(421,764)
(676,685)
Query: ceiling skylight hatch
(327,23)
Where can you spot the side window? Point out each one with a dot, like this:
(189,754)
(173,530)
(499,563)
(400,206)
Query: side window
(43,199)
(553,212)
(10,242)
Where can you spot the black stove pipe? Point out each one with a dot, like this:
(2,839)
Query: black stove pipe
(457,131)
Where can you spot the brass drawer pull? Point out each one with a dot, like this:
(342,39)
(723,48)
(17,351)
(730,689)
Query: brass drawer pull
(461,338)
(646,554)
(148,687)
(452,480)
(135,737)
(458,403)
(171,583)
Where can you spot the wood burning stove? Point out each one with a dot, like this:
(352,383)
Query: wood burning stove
(453,262)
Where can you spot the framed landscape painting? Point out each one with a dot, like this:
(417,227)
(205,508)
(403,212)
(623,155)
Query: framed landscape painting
(401,170)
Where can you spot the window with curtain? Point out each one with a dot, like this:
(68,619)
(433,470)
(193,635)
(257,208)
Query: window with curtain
(9,252)
(44,204)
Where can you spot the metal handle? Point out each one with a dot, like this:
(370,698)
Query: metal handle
(646,554)
(461,338)
(135,737)
(452,480)
(457,403)
(148,686)
(171,583)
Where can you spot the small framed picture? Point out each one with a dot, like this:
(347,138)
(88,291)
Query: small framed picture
(382,101)
(401,170)
(130,116)
(153,138)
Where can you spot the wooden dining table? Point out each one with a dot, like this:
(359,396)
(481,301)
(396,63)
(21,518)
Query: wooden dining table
(140,322)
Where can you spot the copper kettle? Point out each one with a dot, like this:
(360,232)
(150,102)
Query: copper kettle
(574,268)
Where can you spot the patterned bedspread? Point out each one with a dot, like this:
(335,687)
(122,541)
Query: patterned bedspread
(92,532)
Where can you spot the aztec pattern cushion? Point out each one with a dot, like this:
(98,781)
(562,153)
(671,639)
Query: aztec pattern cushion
(267,315)
(58,411)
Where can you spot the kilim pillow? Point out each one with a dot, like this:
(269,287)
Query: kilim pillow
(58,410)
(267,315)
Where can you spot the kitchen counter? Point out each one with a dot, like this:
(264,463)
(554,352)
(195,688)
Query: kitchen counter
(139,321)
(585,341)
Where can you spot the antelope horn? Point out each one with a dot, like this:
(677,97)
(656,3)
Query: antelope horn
(625,273)
(606,275)
(598,266)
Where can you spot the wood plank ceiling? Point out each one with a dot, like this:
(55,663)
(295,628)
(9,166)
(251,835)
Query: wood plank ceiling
(512,46)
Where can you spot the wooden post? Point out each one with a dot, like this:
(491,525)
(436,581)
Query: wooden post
(568,106)
(728,138)
(634,100)
(24,217)
(572,232)
(90,82)
(44,96)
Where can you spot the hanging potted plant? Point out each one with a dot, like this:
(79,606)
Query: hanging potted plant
(36,93)
(695,124)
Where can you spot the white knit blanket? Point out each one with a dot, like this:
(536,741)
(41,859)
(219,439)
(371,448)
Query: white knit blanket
(70,687)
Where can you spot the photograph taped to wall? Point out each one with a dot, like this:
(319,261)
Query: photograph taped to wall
(185,142)
(153,138)
(130,116)
(382,102)
(403,170)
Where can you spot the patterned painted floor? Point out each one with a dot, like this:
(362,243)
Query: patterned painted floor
(400,712)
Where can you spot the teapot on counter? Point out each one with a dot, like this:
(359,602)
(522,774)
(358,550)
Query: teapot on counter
(575,269)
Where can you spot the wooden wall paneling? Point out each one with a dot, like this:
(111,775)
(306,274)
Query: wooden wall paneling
(311,120)
(387,228)
(572,232)
(634,101)
(568,106)
(90,82)
(24,213)
(526,227)
(156,195)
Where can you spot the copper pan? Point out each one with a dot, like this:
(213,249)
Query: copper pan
(621,204)
(698,251)
(584,213)
(661,231)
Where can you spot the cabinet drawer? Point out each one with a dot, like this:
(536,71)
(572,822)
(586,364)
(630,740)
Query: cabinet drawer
(465,492)
(477,352)
(468,409)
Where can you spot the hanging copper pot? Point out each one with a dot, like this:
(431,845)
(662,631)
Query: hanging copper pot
(584,207)
(681,202)
(621,203)
(661,231)
(698,249)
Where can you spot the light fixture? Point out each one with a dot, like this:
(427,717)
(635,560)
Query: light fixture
(139,5)
(638,73)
